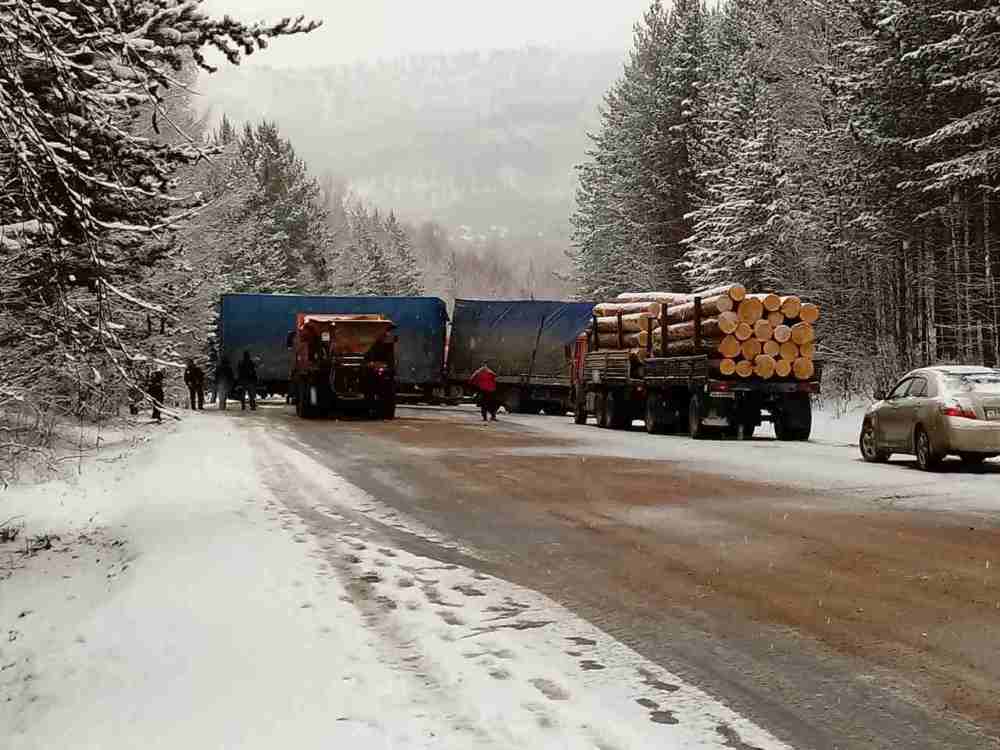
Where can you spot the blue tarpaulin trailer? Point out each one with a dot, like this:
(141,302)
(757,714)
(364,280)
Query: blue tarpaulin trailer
(528,343)
(260,323)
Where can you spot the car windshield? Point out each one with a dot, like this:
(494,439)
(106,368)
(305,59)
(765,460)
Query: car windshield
(972,382)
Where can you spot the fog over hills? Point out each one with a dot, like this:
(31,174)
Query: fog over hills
(484,142)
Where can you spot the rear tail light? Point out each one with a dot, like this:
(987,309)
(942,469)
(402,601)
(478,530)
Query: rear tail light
(718,386)
(957,409)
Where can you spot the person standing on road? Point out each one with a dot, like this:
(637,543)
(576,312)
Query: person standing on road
(224,380)
(155,391)
(247,375)
(194,379)
(484,380)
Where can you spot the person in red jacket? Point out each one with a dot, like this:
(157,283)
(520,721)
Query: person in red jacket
(484,380)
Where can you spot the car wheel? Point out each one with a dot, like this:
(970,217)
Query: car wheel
(870,451)
(927,459)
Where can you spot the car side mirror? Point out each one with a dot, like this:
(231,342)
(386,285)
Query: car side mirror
(880,395)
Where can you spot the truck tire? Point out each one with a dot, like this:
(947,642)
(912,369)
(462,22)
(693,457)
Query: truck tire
(601,410)
(580,411)
(793,421)
(618,411)
(387,408)
(696,411)
(656,416)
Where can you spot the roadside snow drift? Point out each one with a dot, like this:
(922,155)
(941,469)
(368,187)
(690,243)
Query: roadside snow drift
(186,597)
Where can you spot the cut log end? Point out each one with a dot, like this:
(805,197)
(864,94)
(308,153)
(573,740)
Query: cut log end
(729,347)
(783,368)
(782,333)
(751,310)
(744,368)
(803,333)
(789,351)
(771,302)
(803,368)
(763,366)
(743,331)
(809,313)
(776,318)
(790,306)
(762,331)
(772,348)
(751,349)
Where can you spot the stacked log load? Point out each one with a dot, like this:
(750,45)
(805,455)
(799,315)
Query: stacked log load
(744,335)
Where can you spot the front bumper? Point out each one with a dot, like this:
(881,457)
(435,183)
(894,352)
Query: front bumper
(971,435)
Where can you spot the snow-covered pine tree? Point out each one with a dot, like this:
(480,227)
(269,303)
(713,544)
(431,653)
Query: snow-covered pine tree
(87,183)
(408,281)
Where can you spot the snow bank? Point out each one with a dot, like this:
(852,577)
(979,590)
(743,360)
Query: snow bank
(190,602)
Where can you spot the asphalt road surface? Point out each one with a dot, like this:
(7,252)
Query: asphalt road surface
(835,603)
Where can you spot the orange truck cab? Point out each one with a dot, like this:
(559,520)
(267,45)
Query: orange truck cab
(343,363)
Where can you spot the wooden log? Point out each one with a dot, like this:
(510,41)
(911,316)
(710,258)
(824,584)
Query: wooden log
(776,318)
(803,333)
(743,331)
(803,368)
(782,334)
(687,346)
(762,331)
(729,322)
(809,313)
(710,307)
(789,351)
(751,348)
(744,368)
(790,306)
(763,366)
(783,368)
(737,292)
(808,350)
(771,302)
(670,298)
(628,341)
(750,310)
(723,366)
(729,347)
(772,347)
(631,323)
(613,308)
(710,328)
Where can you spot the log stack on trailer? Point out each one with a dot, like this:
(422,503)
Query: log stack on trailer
(743,335)
(648,350)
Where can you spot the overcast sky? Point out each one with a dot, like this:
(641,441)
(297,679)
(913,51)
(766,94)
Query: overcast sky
(371,29)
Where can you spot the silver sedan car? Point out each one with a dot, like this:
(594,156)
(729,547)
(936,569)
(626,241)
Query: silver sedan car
(934,412)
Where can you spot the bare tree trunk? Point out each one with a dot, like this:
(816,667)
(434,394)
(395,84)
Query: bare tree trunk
(930,292)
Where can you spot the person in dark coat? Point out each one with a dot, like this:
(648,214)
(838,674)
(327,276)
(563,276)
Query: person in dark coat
(225,378)
(246,374)
(155,391)
(484,380)
(194,379)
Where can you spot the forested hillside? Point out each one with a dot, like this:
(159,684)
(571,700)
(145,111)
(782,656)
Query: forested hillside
(844,150)
(484,145)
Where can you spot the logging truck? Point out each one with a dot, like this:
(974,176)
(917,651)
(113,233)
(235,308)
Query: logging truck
(678,381)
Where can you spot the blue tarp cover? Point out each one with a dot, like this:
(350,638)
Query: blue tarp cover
(259,323)
(506,333)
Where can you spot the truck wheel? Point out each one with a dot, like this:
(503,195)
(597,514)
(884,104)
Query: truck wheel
(794,420)
(601,410)
(655,414)
(580,411)
(696,410)
(512,401)
(387,408)
(614,407)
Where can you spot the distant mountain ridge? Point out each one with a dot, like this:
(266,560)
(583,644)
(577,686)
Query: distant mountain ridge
(487,141)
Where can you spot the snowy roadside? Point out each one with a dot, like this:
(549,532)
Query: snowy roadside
(186,602)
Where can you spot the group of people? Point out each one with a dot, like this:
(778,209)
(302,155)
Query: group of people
(483,381)
(245,378)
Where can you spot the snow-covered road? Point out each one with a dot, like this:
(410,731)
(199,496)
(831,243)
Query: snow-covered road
(186,601)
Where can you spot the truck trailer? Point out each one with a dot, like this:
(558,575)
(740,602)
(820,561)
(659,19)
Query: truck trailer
(259,324)
(684,393)
(528,343)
